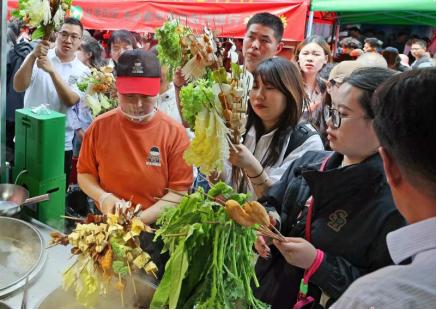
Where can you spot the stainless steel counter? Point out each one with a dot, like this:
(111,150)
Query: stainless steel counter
(48,278)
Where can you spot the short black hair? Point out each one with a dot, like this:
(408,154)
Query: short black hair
(368,80)
(268,20)
(122,36)
(405,108)
(373,42)
(74,21)
(420,42)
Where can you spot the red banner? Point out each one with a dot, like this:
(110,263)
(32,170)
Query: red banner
(227,17)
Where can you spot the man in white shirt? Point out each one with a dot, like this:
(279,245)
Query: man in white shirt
(404,108)
(49,75)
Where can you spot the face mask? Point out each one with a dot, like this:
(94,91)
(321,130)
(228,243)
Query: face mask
(135,113)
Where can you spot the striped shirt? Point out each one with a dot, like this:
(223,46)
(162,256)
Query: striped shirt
(400,286)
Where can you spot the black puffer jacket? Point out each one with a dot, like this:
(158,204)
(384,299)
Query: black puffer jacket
(353,212)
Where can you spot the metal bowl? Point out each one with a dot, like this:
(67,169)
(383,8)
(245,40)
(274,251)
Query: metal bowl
(21,253)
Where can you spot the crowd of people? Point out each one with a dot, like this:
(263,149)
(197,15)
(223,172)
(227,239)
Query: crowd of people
(341,153)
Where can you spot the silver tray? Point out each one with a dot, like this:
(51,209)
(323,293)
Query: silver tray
(21,253)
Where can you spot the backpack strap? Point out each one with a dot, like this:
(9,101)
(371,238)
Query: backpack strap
(300,134)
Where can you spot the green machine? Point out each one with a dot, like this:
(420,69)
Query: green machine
(39,162)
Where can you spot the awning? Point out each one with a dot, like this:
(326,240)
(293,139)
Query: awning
(227,17)
(395,12)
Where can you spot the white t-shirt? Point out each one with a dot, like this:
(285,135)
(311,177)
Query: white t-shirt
(42,91)
(260,150)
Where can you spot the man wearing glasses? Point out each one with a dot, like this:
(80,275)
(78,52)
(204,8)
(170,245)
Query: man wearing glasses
(49,75)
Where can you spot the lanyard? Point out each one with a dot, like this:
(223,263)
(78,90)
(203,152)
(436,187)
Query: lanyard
(310,204)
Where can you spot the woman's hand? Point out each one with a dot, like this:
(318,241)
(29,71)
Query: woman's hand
(109,203)
(242,157)
(297,251)
(261,247)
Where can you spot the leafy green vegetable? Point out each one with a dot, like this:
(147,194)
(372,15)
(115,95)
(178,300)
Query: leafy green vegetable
(211,261)
(219,75)
(119,267)
(118,248)
(169,45)
(193,98)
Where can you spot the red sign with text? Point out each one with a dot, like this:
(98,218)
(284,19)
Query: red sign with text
(227,17)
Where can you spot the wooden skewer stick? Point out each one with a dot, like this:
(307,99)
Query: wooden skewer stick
(132,278)
(166,200)
(273,235)
(121,291)
(277,231)
(154,274)
(231,144)
(203,177)
(79,219)
(175,192)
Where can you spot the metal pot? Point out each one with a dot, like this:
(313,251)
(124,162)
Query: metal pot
(12,197)
(22,253)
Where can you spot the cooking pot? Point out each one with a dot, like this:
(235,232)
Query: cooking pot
(22,253)
(12,197)
(145,288)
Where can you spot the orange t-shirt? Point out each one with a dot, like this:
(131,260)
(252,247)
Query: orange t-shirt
(136,161)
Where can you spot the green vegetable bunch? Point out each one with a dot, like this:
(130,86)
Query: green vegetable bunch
(44,15)
(194,97)
(169,45)
(211,261)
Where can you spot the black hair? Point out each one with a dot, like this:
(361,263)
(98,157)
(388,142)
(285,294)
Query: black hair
(268,20)
(320,41)
(420,42)
(354,29)
(350,42)
(367,80)
(93,47)
(405,108)
(122,36)
(391,55)
(284,76)
(74,21)
(374,42)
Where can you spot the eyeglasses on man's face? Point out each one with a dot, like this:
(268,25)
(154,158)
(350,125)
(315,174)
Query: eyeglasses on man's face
(73,36)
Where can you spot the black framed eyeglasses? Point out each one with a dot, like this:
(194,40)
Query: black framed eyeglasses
(65,35)
(333,115)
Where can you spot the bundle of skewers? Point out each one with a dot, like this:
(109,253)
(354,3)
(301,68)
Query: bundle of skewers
(46,16)
(106,248)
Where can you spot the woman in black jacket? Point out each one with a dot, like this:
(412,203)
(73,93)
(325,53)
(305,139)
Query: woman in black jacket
(338,218)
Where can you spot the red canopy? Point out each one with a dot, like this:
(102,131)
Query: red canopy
(228,17)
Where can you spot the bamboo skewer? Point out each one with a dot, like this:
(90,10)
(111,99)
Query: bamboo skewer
(132,279)
(166,200)
(78,219)
(121,291)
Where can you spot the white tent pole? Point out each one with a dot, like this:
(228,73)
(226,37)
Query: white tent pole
(310,24)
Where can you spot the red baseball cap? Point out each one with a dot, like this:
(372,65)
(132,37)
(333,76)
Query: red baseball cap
(138,72)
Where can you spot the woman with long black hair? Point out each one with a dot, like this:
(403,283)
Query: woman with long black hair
(274,137)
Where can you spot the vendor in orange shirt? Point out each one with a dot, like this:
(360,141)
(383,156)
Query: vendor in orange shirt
(135,152)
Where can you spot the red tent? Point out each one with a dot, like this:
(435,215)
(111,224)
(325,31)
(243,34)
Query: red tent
(228,17)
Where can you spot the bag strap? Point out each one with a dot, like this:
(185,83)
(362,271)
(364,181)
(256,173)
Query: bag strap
(299,135)
(310,203)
